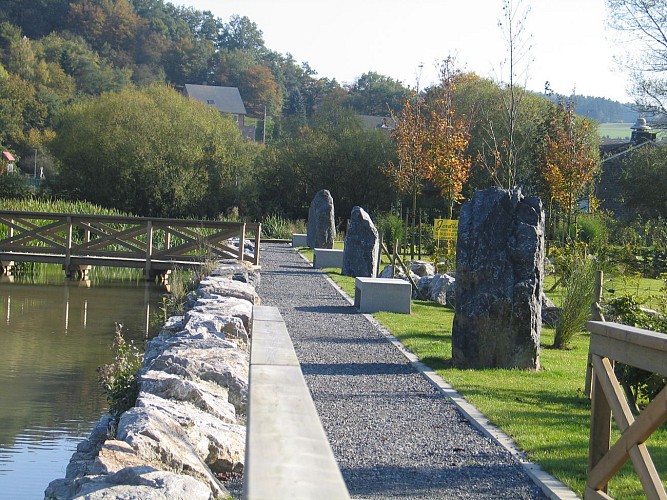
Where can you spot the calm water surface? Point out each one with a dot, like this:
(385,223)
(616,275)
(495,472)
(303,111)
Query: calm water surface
(53,336)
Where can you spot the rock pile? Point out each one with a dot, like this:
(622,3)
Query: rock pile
(187,429)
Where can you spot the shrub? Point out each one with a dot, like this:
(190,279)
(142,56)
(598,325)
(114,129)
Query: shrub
(592,230)
(275,226)
(392,228)
(119,378)
(579,287)
(639,385)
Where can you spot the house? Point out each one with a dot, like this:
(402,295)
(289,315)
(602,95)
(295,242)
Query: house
(613,154)
(384,123)
(6,162)
(227,100)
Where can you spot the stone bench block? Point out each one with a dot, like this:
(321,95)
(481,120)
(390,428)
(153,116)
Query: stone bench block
(382,294)
(325,257)
(299,240)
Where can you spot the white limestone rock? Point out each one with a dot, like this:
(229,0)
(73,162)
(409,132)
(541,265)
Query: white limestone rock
(158,438)
(220,444)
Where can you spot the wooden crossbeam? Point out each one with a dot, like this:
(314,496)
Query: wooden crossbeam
(52,238)
(642,349)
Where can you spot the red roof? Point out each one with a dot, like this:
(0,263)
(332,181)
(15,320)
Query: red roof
(8,156)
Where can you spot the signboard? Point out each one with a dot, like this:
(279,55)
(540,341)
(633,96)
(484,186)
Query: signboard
(445,229)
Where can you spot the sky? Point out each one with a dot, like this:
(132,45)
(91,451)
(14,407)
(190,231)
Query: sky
(570,45)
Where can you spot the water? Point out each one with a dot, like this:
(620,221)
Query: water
(53,336)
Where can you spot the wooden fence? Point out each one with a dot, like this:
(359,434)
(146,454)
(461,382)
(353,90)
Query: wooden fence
(155,245)
(642,349)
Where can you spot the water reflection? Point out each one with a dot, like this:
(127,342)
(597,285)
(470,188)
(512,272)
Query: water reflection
(52,339)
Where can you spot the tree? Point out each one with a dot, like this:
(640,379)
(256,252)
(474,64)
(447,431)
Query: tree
(502,141)
(376,95)
(644,181)
(644,22)
(150,152)
(411,137)
(337,154)
(570,158)
(447,136)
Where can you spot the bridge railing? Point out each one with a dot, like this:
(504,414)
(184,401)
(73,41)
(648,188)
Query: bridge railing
(154,244)
(642,349)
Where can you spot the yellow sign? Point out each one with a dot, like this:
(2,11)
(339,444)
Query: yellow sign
(445,229)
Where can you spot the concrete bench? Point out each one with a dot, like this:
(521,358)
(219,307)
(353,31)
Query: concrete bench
(299,240)
(327,257)
(287,452)
(382,294)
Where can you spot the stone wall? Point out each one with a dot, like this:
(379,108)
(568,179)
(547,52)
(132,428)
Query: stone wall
(186,434)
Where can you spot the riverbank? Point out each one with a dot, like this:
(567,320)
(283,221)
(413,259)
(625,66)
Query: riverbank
(185,437)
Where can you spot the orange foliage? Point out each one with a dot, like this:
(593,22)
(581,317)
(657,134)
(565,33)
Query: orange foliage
(569,161)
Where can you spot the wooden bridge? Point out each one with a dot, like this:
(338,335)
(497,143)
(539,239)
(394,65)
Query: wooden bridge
(155,245)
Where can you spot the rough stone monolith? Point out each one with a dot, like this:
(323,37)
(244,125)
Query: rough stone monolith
(321,225)
(499,281)
(362,244)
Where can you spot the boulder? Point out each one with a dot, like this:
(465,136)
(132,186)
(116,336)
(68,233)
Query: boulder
(421,268)
(158,438)
(437,288)
(362,244)
(216,361)
(143,482)
(217,286)
(220,444)
(499,281)
(321,223)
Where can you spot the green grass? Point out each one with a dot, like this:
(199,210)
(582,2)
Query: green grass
(615,130)
(545,412)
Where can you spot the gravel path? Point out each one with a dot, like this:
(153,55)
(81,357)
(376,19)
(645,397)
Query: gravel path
(393,434)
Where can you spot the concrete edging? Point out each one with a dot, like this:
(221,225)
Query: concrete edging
(550,486)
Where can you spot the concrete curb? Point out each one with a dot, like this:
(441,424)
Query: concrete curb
(550,486)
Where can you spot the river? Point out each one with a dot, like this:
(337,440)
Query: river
(53,336)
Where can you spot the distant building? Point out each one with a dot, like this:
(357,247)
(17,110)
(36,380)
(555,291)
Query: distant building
(227,100)
(6,162)
(385,123)
(614,153)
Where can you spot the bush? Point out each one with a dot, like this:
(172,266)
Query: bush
(119,378)
(14,186)
(593,231)
(392,229)
(639,385)
(579,287)
(275,226)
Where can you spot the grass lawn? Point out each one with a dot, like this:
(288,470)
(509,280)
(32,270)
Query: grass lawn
(615,130)
(545,412)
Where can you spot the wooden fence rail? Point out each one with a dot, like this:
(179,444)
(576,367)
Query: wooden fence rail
(156,245)
(642,349)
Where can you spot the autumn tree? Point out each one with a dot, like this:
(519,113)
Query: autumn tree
(411,136)
(447,137)
(570,158)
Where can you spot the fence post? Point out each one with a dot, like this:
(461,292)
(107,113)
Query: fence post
(241,241)
(258,237)
(600,437)
(149,249)
(596,314)
(68,246)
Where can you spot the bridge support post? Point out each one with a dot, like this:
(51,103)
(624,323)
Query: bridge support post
(77,272)
(6,267)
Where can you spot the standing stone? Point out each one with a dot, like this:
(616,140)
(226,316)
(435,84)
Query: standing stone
(321,226)
(362,246)
(499,281)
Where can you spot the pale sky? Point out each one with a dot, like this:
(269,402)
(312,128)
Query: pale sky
(571,46)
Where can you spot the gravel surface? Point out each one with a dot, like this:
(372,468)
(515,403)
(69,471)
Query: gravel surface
(393,434)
